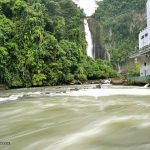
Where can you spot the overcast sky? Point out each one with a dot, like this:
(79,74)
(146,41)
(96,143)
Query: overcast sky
(89,6)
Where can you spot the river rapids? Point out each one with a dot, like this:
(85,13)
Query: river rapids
(75,118)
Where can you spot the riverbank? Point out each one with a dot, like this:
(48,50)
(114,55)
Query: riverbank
(95,83)
(3,87)
(127,82)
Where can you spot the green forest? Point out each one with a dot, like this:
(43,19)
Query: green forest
(120,23)
(42,42)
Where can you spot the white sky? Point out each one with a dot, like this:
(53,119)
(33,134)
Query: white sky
(89,6)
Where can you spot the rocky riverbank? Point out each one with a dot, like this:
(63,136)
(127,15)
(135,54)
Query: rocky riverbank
(77,84)
(3,87)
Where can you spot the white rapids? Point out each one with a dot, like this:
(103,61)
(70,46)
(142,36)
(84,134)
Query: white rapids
(75,118)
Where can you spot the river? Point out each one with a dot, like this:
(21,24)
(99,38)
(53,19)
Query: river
(75,118)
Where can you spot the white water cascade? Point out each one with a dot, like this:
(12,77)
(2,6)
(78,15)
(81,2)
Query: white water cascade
(89,49)
(89,7)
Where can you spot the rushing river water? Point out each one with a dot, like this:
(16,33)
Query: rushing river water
(72,118)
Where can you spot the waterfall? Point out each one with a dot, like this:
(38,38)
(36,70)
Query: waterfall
(89,7)
(88,39)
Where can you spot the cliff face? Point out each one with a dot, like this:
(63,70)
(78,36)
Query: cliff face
(98,50)
(120,24)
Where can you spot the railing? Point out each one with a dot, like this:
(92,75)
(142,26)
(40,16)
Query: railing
(143,79)
(145,49)
(135,54)
(138,52)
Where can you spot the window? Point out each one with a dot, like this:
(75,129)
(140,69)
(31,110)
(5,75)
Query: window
(146,34)
(147,55)
(144,63)
(142,37)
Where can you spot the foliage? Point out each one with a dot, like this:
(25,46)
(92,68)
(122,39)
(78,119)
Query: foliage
(120,22)
(42,42)
(134,70)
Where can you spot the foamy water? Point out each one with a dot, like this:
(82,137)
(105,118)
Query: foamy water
(106,90)
(68,118)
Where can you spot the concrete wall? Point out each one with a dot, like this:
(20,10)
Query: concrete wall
(144,36)
(148,13)
(145,65)
(144,39)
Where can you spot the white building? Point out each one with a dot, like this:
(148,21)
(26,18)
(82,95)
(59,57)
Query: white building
(143,54)
(144,36)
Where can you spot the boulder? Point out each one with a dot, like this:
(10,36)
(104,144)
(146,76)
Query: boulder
(76,82)
(98,86)
(117,81)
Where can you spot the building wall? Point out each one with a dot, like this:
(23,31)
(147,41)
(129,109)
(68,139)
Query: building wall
(144,39)
(148,13)
(144,36)
(145,65)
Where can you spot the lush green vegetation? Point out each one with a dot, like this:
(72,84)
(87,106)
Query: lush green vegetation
(42,42)
(134,70)
(120,23)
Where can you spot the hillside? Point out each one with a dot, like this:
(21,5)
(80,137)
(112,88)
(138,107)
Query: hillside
(120,23)
(42,42)
(98,50)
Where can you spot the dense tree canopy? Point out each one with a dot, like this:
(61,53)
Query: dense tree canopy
(42,42)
